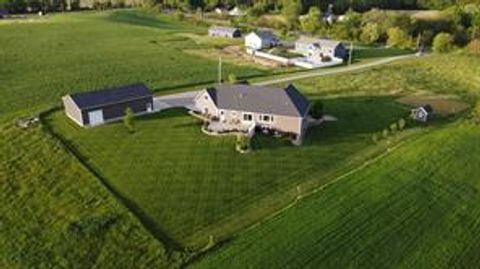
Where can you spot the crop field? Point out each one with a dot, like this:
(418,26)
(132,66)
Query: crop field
(91,50)
(419,207)
(192,186)
(56,214)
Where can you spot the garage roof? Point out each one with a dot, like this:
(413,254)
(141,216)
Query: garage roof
(110,96)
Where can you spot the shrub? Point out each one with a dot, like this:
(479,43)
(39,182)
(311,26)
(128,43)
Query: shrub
(243,143)
(129,120)
(442,43)
(179,15)
(401,124)
(474,47)
(393,127)
(232,78)
(476,112)
(316,111)
(385,133)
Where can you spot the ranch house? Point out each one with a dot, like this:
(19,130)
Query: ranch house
(97,107)
(243,107)
(261,40)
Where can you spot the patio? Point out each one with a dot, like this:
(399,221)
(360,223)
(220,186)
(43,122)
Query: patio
(229,128)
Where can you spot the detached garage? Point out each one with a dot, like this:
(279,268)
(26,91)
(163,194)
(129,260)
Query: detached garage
(101,106)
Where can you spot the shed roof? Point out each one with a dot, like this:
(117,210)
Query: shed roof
(220,29)
(111,96)
(260,99)
(320,41)
(265,35)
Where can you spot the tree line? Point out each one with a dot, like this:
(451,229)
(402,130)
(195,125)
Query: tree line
(338,6)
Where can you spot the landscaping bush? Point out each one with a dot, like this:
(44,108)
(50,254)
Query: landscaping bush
(243,143)
(401,124)
(474,47)
(316,111)
(442,43)
(129,120)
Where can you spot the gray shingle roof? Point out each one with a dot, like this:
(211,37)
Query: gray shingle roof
(266,35)
(320,41)
(260,99)
(111,96)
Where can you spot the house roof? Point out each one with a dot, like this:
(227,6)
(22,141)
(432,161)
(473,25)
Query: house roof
(266,35)
(111,96)
(320,41)
(260,99)
(227,30)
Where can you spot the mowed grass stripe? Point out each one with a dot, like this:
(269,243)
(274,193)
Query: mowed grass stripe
(417,208)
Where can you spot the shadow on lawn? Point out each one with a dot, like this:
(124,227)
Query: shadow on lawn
(138,18)
(153,227)
(357,116)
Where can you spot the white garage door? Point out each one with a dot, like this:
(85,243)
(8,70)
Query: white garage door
(95,117)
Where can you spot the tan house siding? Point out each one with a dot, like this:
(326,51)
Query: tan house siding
(205,104)
(280,123)
(72,111)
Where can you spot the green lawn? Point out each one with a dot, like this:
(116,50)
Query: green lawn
(419,207)
(191,185)
(83,51)
(55,214)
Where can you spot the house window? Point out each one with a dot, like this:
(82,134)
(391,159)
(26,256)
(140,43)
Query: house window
(266,118)
(247,117)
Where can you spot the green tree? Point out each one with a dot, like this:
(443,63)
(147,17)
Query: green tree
(129,120)
(370,33)
(442,43)
(232,78)
(399,38)
(291,12)
(312,21)
(316,111)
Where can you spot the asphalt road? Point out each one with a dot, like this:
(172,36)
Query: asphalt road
(320,72)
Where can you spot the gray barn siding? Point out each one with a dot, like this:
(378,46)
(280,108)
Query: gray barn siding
(116,111)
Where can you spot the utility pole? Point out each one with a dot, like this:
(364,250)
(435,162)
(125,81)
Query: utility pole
(220,70)
(350,54)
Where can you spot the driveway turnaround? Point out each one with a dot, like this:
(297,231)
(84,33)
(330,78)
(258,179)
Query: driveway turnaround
(184,99)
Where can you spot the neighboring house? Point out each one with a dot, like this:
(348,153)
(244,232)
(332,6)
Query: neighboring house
(283,110)
(97,107)
(3,13)
(422,113)
(227,32)
(320,49)
(260,40)
(236,12)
